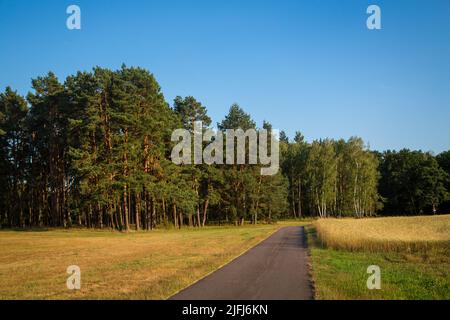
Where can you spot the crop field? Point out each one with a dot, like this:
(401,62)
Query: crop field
(412,253)
(411,234)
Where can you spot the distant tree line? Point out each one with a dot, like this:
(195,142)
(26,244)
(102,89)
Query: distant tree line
(94,151)
(414,182)
(330,178)
(344,178)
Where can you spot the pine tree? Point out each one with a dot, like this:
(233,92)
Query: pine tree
(13,159)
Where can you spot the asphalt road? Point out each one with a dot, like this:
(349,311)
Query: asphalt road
(275,269)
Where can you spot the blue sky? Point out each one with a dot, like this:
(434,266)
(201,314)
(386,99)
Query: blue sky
(309,65)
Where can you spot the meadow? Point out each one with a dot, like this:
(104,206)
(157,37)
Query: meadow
(114,265)
(412,253)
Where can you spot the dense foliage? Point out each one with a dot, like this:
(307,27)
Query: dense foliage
(94,151)
(330,177)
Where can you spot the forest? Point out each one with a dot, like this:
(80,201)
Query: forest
(94,151)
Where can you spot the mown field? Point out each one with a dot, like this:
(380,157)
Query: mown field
(412,253)
(116,265)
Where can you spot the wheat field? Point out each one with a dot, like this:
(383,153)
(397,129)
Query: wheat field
(411,234)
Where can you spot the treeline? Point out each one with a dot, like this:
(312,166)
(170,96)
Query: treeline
(414,182)
(343,178)
(94,151)
(330,178)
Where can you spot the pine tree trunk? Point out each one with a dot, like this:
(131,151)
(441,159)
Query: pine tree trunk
(125,207)
(205,210)
(180,222)
(138,209)
(198,216)
(190,223)
(164,210)
(175,219)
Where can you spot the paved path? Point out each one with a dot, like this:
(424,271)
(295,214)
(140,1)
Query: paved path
(275,269)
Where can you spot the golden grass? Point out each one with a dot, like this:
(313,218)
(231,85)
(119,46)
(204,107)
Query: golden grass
(115,265)
(410,234)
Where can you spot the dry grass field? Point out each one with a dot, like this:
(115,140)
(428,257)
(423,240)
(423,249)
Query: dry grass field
(115,265)
(411,234)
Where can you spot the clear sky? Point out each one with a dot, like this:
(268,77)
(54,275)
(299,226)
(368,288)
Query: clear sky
(309,65)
